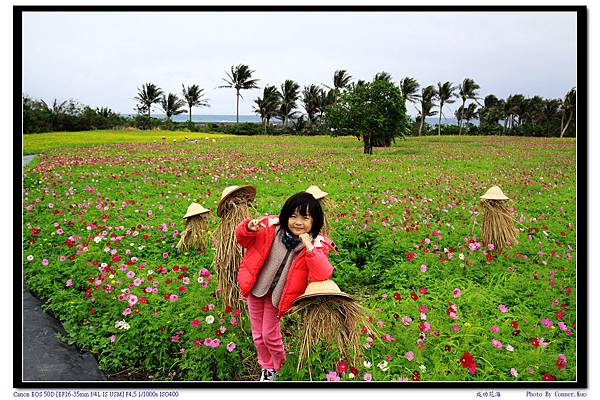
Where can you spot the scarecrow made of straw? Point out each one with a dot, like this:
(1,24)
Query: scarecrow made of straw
(498,227)
(232,209)
(332,317)
(326,204)
(195,233)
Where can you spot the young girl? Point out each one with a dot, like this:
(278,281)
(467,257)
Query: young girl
(283,254)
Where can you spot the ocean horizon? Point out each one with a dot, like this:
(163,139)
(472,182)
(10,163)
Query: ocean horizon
(230,118)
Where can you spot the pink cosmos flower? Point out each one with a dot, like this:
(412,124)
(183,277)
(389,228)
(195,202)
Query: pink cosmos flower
(113,338)
(502,308)
(230,346)
(546,322)
(456,292)
(332,376)
(368,377)
(130,274)
(456,328)
(514,372)
(69,282)
(379,323)
(494,328)
(423,308)
(423,268)
(195,323)
(165,255)
(409,355)
(137,281)
(126,311)
(45,262)
(496,343)
(510,348)
(173,297)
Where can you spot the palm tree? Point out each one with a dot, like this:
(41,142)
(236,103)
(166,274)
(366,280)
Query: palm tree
(426,98)
(409,88)
(268,106)
(490,112)
(445,94)
(568,108)
(290,92)
(172,105)
(382,76)
(240,78)
(549,111)
(148,94)
(194,97)
(466,90)
(313,98)
(469,113)
(341,79)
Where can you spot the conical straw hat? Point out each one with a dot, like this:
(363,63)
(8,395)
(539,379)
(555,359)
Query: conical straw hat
(249,191)
(494,193)
(322,288)
(195,209)
(316,192)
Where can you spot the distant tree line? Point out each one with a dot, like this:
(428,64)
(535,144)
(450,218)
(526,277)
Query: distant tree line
(290,109)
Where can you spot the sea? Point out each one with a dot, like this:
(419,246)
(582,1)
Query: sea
(230,118)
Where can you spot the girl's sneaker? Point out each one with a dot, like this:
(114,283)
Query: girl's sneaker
(270,375)
(263,374)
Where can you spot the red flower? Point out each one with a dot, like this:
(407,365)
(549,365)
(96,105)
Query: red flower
(205,308)
(467,361)
(416,376)
(228,309)
(116,259)
(413,296)
(560,315)
(423,290)
(548,377)
(447,347)
(354,371)
(489,257)
(92,311)
(342,367)
(561,361)
(218,332)
(397,296)
(514,324)
(534,342)
(182,289)
(410,256)
(516,332)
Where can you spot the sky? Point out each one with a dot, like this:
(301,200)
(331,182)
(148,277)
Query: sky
(102,58)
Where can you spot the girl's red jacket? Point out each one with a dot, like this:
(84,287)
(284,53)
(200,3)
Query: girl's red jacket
(313,267)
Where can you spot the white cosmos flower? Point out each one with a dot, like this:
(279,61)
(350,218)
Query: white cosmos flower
(210,319)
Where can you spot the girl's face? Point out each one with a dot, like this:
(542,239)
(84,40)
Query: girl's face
(299,224)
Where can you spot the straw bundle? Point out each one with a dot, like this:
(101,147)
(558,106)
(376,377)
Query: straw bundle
(498,224)
(327,205)
(229,254)
(333,320)
(195,234)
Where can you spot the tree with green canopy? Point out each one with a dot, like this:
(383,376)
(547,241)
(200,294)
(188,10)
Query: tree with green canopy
(372,111)
(194,97)
(239,79)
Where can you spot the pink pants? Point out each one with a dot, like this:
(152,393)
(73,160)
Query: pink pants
(266,332)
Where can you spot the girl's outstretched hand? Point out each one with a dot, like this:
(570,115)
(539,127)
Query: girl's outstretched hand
(255,224)
(307,241)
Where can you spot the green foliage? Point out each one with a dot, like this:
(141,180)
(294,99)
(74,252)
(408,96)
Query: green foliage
(373,111)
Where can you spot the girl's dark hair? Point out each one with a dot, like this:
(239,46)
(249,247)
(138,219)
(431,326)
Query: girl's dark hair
(306,204)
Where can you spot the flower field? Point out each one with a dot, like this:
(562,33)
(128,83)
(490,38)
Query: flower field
(100,225)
